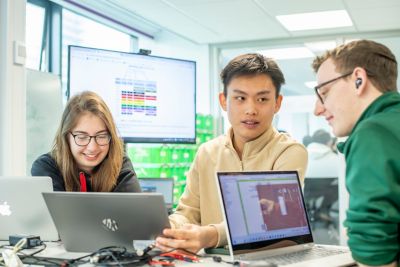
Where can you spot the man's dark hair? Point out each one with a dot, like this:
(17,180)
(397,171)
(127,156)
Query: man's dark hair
(251,65)
(307,140)
(322,137)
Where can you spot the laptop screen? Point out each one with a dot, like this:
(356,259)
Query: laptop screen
(165,186)
(263,209)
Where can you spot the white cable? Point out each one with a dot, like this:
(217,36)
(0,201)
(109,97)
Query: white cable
(19,245)
(10,257)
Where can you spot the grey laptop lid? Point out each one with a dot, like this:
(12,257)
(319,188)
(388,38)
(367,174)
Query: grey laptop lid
(22,208)
(266,216)
(165,186)
(90,221)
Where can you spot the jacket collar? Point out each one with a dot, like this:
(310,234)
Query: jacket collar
(383,102)
(255,146)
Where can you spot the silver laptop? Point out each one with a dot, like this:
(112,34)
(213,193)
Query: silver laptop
(266,221)
(165,186)
(90,221)
(22,208)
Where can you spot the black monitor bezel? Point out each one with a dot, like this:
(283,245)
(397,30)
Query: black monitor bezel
(144,139)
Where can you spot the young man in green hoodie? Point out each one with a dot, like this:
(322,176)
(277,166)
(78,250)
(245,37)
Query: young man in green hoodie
(357,95)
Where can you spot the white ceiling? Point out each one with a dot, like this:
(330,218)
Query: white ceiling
(240,26)
(221,21)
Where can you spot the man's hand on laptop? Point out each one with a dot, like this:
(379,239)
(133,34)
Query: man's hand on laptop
(190,237)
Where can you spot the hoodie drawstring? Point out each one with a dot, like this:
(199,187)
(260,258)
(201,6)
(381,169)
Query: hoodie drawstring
(82,179)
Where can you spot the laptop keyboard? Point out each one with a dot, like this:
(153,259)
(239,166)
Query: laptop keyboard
(305,255)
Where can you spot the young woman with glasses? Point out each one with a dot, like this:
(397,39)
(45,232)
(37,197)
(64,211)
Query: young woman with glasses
(87,154)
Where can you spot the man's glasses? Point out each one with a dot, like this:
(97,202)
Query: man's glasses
(318,87)
(84,139)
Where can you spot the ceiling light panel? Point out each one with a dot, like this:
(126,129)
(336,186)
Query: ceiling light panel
(288,53)
(316,20)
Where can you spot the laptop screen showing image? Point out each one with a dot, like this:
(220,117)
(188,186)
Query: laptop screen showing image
(263,209)
(165,186)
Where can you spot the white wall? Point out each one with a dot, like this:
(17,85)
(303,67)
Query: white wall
(296,117)
(170,45)
(12,90)
(13,144)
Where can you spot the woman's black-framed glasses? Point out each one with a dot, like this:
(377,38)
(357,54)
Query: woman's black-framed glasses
(319,86)
(84,139)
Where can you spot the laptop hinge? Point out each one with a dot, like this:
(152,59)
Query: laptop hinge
(273,252)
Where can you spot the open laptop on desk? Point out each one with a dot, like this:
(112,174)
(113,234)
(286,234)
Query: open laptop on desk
(266,220)
(22,208)
(165,186)
(90,221)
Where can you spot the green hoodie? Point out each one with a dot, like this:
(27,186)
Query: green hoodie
(372,154)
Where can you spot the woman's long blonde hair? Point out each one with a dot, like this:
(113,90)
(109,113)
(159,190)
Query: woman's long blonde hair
(105,175)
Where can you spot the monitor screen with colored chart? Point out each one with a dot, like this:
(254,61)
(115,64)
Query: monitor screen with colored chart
(152,99)
(165,186)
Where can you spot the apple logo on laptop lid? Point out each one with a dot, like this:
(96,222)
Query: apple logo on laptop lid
(5,209)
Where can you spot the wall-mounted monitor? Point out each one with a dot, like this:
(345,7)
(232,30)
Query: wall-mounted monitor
(152,99)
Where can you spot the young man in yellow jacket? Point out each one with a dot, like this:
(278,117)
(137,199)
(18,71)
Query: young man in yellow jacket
(251,98)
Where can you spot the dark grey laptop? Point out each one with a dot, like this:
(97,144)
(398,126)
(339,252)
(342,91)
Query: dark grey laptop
(266,220)
(87,222)
(165,186)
